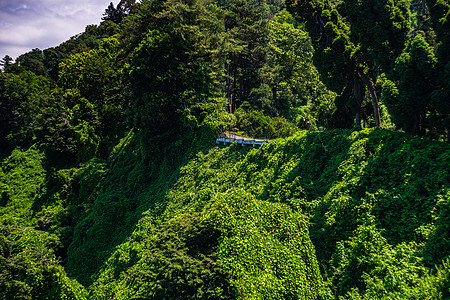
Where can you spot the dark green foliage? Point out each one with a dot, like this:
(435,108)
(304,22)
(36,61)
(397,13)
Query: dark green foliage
(379,26)
(32,61)
(439,15)
(16,95)
(413,102)
(175,260)
(124,8)
(414,68)
(439,239)
(248,69)
(112,14)
(61,124)
(353,39)
(176,68)
(6,62)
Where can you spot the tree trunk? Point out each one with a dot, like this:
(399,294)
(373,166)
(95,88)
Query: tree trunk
(358,119)
(376,106)
(274,94)
(358,97)
(229,89)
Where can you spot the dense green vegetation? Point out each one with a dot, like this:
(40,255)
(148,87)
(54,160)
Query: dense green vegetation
(112,186)
(317,215)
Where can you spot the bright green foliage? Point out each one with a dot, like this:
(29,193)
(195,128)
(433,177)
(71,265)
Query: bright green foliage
(97,78)
(29,268)
(265,247)
(296,88)
(93,73)
(22,178)
(167,214)
(89,40)
(381,270)
(344,213)
(184,243)
(246,204)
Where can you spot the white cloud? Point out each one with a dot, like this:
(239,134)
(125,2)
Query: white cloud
(29,24)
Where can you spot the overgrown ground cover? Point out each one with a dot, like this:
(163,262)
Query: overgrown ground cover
(342,214)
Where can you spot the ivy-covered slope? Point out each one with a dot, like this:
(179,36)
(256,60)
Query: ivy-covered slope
(320,215)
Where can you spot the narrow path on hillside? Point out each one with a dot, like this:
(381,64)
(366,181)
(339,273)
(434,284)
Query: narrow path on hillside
(229,138)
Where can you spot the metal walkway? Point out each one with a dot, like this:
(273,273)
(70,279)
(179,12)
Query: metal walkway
(229,138)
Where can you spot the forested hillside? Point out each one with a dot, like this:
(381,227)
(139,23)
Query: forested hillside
(112,185)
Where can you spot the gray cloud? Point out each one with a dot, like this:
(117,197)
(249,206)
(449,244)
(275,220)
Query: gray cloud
(29,24)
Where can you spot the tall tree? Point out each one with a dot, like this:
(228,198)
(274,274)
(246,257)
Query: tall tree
(295,83)
(112,14)
(345,53)
(440,19)
(98,77)
(16,94)
(33,61)
(247,70)
(176,70)
(6,62)
(409,99)
(417,96)
(123,9)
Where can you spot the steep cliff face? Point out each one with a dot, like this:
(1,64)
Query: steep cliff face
(317,215)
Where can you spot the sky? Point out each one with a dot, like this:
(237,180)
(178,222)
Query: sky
(30,24)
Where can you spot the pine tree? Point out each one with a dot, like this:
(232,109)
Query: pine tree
(6,62)
(248,69)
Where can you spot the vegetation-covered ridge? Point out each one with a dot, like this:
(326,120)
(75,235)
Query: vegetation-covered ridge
(320,215)
(112,186)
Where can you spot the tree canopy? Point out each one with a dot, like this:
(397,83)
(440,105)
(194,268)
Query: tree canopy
(112,185)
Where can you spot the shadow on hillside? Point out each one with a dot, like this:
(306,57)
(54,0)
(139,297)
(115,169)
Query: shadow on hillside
(337,174)
(105,200)
(342,176)
(4,153)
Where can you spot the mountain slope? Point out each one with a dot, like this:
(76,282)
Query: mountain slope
(318,215)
